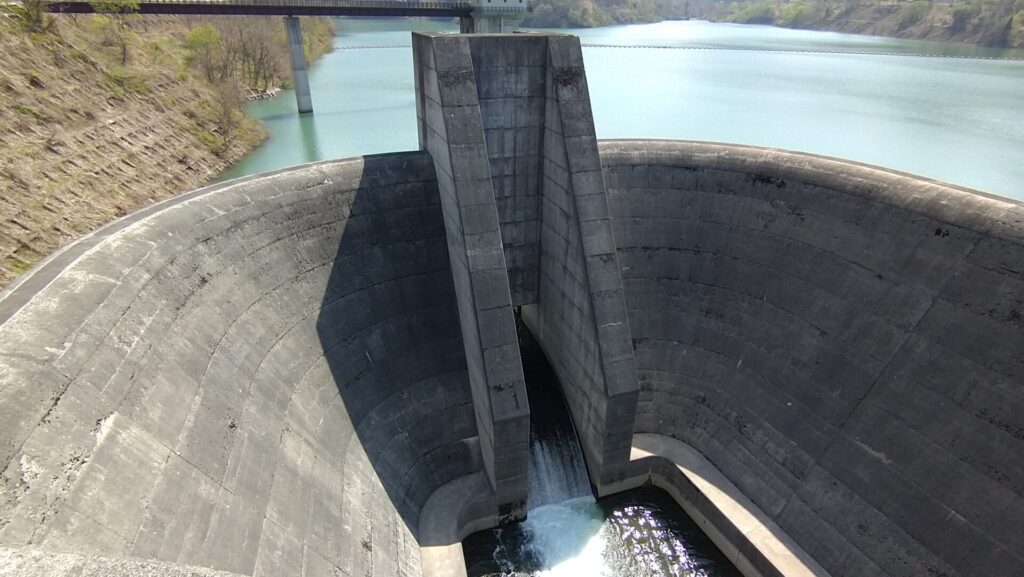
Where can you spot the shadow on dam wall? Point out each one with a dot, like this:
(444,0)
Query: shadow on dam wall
(389,329)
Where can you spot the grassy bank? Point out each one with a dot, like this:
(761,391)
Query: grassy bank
(95,125)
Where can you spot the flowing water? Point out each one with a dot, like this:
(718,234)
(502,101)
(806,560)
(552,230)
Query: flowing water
(567,532)
(869,99)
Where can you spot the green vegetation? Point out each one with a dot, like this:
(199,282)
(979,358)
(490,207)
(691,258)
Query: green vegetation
(755,13)
(988,22)
(25,110)
(34,17)
(589,13)
(913,13)
(251,52)
(121,82)
(796,15)
(104,114)
(115,17)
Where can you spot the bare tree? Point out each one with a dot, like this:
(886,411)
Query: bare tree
(35,16)
(118,14)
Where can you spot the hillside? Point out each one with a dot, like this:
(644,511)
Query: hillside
(89,133)
(589,13)
(987,22)
(998,23)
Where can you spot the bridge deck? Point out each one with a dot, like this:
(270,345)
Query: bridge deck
(299,7)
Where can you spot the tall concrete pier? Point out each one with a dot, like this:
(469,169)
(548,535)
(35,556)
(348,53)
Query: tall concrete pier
(315,371)
(297,57)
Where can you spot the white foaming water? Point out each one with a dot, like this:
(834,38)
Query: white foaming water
(567,534)
(564,522)
(556,472)
(567,538)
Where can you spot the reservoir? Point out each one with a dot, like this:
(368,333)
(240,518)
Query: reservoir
(946,111)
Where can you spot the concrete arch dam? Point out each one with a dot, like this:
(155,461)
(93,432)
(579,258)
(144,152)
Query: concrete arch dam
(316,372)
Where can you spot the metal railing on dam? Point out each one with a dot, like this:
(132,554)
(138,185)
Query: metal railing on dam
(396,8)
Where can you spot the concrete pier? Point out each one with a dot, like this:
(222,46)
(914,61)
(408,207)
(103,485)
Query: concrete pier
(297,57)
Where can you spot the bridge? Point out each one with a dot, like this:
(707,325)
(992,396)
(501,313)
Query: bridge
(485,16)
(380,8)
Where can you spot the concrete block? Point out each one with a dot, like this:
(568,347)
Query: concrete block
(588,183)
(463,124)
(577,119)
(597,237)
(490,289)
(479,218)
(469,163)
(591,207)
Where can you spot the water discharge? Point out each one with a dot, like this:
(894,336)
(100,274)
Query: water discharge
(567,532)
(556,472)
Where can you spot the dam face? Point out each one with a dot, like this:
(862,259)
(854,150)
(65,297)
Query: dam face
(316,372)
(844,343)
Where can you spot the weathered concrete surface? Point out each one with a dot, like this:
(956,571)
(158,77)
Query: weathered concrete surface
(509,73)
(510,117)
(35,563)
(450,129)
(846,344)
(580,315)
(455,511)
(265,378)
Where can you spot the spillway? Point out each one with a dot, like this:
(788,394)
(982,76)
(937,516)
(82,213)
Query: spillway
(567,532)
(316,372)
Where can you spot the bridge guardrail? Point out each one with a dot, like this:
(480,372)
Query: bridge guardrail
(327,3)
(427,6)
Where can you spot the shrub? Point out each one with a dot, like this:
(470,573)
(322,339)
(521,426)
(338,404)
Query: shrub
(34,16)
(795,16)
(757,13)
(913,13)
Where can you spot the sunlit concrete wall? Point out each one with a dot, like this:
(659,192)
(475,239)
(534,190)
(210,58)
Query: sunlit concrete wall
(845,343)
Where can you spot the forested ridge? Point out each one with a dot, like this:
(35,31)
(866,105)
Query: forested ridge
(987,22)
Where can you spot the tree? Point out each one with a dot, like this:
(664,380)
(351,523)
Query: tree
(35,17)
(205,51)
(253,47)
(228,104)
(118,15)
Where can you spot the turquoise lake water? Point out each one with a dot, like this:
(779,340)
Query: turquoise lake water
(877,100)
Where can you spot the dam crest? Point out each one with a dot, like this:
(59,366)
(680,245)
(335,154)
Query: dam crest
(315,371)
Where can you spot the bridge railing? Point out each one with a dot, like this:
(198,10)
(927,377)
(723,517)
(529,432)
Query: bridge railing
(493,7)
(440,5)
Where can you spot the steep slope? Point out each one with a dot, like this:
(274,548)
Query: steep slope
(84,140)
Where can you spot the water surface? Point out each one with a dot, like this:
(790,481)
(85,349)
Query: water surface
(876,100)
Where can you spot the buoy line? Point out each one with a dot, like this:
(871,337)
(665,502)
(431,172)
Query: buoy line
(742,49)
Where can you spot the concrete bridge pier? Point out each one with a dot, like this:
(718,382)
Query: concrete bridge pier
(300,76)
(481,22)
